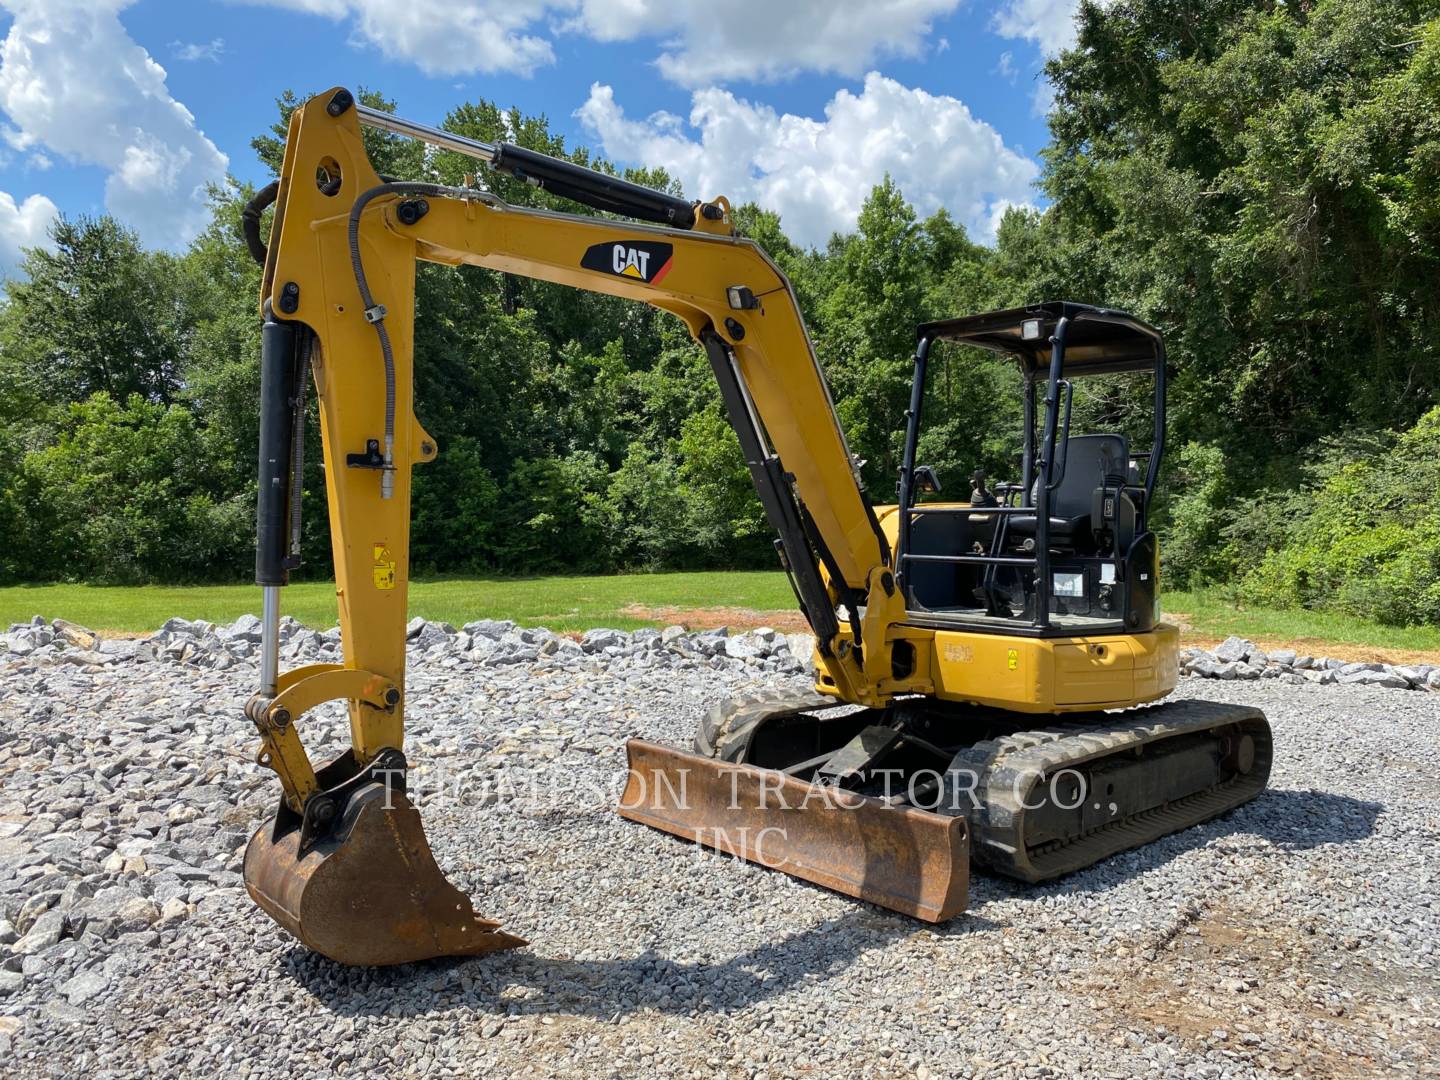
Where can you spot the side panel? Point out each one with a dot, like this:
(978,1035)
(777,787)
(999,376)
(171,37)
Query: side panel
(1053,675)
(990,669)
(1142,571)
(1095,673)
(1157,662)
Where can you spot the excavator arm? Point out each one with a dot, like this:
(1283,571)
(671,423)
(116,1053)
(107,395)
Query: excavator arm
(338,299)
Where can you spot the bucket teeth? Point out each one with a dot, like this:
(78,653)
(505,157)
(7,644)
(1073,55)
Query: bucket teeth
(372,893)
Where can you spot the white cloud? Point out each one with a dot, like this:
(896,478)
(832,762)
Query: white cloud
(17,139)
(1042,98)
(816,173)
(700,43)
(23,225)
(762,39)
(444,37)
(73,81)
(1050,24)
(191,51)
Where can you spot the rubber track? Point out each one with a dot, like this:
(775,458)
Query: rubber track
(1010,767)
(725,730)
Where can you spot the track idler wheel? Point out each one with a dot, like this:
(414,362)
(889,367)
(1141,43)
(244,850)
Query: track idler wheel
(362,887)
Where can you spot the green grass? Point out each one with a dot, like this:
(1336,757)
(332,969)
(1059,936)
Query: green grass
(561,603)
(577,603)
(1211,613)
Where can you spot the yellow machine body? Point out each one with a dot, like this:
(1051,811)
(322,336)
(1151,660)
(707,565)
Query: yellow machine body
(313,868)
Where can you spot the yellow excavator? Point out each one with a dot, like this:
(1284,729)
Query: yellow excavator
(980,664)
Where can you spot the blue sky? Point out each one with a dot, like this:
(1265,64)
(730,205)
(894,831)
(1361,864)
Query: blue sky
(132,106)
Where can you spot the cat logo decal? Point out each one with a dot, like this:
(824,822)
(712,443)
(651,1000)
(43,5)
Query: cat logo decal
(643,260)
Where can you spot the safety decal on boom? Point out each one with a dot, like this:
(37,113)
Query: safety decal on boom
(384,568)
(643,260)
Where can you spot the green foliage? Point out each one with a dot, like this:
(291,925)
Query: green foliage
(131,493)
(1256,179)
(645,504)
(1262,181)
(97,315)
(455,504)
(553,515)
(19,509)
(724,517)
(1194,550)
(1363,537)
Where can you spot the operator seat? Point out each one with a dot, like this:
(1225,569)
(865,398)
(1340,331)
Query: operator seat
(1091,460)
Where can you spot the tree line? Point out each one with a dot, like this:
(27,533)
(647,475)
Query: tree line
(1257,179)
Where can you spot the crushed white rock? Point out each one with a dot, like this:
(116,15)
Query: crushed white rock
(1297,936)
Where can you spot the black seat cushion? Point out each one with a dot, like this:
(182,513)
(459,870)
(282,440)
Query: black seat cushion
(1060,528)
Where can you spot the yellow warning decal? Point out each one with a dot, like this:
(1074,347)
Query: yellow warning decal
(1012,659)
(384,569)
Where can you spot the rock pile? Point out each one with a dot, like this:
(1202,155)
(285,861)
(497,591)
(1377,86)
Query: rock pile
(486,643)
(1239,658)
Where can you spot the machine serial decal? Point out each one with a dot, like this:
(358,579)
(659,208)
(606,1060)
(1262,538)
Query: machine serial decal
(643,260)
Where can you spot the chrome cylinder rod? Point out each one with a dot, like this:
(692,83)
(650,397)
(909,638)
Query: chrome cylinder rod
(270,642)
(383,121)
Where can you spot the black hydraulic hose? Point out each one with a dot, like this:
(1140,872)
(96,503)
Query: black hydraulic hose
(375,313)
(250,220)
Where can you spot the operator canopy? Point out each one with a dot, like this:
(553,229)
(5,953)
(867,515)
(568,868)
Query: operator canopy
(1097,341)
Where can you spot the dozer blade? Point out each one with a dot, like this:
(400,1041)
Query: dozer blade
(371,894)
(904,859)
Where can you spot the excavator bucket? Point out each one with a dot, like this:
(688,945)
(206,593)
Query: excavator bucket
(370,893)
(908,860)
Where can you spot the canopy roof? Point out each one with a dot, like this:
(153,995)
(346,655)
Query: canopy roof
(1098,340)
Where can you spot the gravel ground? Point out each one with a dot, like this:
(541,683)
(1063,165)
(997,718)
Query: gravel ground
(1297,936)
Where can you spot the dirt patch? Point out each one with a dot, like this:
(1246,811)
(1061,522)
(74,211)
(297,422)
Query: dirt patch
(707,618)
(792,622)
(1288,998)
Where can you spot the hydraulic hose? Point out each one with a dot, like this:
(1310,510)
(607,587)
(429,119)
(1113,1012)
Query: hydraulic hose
(250,220)
(375,313)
